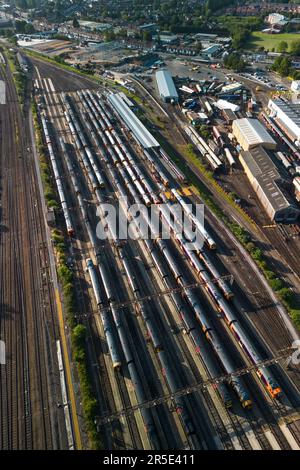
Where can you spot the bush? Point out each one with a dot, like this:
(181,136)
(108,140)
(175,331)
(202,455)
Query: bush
(276,284)
(286,294)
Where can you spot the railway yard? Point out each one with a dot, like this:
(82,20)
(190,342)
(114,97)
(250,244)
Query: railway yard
(188,347)
(29,382)
(164,322)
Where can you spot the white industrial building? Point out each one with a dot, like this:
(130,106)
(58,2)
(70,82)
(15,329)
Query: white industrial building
(287,116)
(223,104)
(2,92)
(166,87)
(276,18)
(250,133)
(295,86)
(144,137)
(232,87)
(266,182)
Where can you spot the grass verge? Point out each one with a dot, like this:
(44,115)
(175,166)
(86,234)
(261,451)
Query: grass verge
(270,41)
(19,77)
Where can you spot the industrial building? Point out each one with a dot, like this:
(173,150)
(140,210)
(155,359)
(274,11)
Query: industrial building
(267,183)
(166,87)
(210,51)
(232,87)
(2,92)
(295,86)
(94,26)
(167,38)
(276,19)
(287,116)
(250,133)
(132,122)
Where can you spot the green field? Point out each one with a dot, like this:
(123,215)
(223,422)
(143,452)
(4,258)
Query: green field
(270,41)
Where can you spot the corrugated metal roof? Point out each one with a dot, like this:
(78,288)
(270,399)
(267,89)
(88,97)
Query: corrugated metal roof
(165,84)
(126,99)
(2,92)
(253,131)
(288,113)
(135,125)
(266,174)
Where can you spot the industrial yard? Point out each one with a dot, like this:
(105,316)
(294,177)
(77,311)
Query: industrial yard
(129,321)
(168,318)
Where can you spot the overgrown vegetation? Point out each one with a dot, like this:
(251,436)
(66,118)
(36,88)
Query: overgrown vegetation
(234,62)
(49,191)
(18,75)
(66,278)
(240,28)
(283,66)
(78,338)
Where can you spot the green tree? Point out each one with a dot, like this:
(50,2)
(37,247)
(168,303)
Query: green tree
(109,35)
(282,46)
(199,46)
(234,62)
(147,36)
(295,47)
(282,65)
(75,23)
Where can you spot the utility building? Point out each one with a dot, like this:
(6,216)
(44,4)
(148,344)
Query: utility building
(250,133)
(166,87)
(268,184)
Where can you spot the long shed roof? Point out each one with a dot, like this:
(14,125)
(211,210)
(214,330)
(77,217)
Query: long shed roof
(142,134)
(253,132)
(266,174)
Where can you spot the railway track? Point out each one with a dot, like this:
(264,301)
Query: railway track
(28,418)
(93,328)
(238,423)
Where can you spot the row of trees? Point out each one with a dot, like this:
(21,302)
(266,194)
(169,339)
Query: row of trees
(234,62)
(294,47)
(283,66)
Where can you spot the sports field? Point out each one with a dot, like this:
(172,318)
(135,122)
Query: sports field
(270,41)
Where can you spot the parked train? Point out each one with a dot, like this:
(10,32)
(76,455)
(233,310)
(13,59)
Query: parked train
(60,190)
(201,316)
(235,382)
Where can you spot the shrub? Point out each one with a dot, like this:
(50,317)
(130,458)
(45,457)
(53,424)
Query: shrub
(276,284)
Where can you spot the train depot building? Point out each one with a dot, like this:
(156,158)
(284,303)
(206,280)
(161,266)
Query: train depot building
(268,183)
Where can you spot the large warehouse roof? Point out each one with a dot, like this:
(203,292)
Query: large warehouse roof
(288,114)
(250,133)
(166,85)
(133,123)
(264,177)
(2,92)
